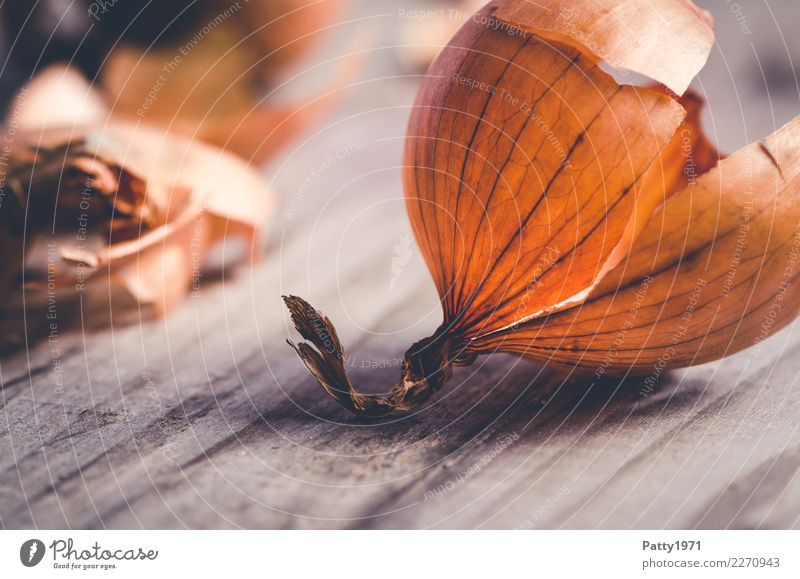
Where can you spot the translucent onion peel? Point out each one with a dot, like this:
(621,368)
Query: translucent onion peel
(575,221)
(211,83)
(159,201)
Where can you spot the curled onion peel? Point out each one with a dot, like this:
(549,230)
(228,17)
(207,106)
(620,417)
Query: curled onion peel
(576,221)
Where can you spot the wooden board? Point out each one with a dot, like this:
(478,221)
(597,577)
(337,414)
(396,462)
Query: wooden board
(206,419)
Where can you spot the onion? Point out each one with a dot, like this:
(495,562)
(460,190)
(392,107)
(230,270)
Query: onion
(577,221)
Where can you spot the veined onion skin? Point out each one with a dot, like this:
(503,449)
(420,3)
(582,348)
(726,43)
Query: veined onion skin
(576,221)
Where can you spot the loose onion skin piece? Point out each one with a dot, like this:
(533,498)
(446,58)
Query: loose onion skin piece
(575,221)
(157,202)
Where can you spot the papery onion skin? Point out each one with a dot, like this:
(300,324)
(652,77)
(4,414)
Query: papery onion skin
(210,81)
(522,165)
(577,222)
(716,271)
(157,201)
(665,40)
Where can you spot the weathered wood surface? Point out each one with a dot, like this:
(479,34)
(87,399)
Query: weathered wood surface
(206,419)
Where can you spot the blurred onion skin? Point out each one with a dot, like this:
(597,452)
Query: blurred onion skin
(250,42)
